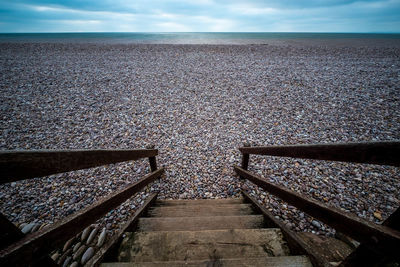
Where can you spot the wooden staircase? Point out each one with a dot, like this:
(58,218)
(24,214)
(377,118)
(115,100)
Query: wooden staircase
(221,232)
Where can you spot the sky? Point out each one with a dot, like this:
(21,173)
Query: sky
(200,16)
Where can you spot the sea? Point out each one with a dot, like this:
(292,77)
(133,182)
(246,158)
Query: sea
(189,37)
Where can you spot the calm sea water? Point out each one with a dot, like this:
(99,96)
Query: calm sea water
(183,37)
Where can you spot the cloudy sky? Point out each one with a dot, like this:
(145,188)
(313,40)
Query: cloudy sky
(199,16)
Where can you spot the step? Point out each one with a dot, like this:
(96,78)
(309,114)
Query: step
(200,245)
(221,201)
(329,248)
(200,223)
(201,210)
(283,261)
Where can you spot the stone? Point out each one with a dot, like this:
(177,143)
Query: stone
(87,255)
(316,224)
(68,244)
(76,246)
(92,236)
(79,252)
(67,261)
(86,233)
(35,228)
(74,264)
(27,228)
(55,256)
(22,225)
(378,215)
(102,238)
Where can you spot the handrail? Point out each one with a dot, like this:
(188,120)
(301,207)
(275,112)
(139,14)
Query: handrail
(42,242)
(297,245)
(19,165)
(381,153)
(370,234)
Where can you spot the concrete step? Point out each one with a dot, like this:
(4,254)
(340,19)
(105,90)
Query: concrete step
(177,202)
(294,261)
(201,245)
(201,210)
(200,223)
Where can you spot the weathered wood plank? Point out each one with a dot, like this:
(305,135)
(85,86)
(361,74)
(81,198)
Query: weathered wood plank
(19,165)
(375,237)
(296,245)
(382,153)
(363,256)
(112,245)
(41,242)
(9,232)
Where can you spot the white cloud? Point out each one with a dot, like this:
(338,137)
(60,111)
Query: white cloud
(172,27)
(245,9)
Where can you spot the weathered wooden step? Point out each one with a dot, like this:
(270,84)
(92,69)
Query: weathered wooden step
(200,223)
(293,261)
(201,210)
(222,201)
(200,245)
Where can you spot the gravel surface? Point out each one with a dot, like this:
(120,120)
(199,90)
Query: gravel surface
(197,104)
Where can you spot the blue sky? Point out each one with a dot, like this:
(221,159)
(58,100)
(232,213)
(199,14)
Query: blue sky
(199,16)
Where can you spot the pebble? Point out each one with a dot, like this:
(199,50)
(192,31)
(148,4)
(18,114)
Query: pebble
(55,256)
(27,228)
(92,236)
(102,238)
(68,244)
(87,255)
(76,247)
(74,264)
(86,233)
(22,225)
(61,259)
(79,252)
(35,227)
(378,215)
(198,104)
(67,261)
(316,224)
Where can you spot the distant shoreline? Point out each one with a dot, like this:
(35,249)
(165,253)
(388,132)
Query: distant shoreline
(194,38)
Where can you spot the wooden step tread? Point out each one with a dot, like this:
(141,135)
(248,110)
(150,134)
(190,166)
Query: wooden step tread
(200,223)
(201,210)
(175,202)
(294,261)
(200,245)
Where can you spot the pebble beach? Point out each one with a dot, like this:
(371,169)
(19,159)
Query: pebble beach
(197,103)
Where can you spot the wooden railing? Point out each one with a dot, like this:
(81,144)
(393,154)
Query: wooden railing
(18,250)
(377,241)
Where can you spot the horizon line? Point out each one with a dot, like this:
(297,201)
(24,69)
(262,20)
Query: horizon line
(165,32)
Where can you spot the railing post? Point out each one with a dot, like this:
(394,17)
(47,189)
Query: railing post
(153,164)
(245,159)
(152,160)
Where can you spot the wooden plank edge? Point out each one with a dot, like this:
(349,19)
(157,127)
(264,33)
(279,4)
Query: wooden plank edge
(296,245)
(114,242)
(376,237)
(363,256)
(19,165)
(380,153)
(42,242)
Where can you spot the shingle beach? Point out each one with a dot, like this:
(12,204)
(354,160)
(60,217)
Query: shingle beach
(197,104)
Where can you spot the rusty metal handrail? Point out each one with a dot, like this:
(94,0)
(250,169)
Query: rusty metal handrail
(382,153)
(39,243)
(19,165)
